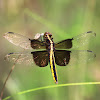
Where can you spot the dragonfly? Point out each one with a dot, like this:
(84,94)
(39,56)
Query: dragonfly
(46,51)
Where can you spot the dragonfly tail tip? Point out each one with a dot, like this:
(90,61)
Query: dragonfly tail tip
(56,82)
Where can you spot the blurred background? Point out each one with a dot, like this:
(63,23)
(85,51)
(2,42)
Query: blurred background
(64,19)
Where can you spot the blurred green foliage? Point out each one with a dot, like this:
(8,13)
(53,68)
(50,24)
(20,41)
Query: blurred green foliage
(64,19)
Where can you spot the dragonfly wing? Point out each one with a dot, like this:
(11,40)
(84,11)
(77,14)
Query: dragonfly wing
(81,56)
(24,58)
(18,40)
(65,44)
(76,42)
(62,57)
(41,58)
(36,44)
(83,39)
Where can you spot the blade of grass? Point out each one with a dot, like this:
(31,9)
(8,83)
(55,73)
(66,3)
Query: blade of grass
(53,86)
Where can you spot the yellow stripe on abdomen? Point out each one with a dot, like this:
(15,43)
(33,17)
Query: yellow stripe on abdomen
(53,66)
(52,61)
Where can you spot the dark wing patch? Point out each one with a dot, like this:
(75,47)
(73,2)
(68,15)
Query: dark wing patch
(62,57)
(65,44)
(40,58)
(36,44)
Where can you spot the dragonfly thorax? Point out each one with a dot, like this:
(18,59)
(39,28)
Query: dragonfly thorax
(49,41)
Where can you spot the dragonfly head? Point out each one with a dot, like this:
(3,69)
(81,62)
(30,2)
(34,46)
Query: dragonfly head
(47,34)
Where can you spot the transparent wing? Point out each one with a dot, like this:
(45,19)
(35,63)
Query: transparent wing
(76,42)
(24,58)
(81,56)
(65,57)
(83,39)
(18,40)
